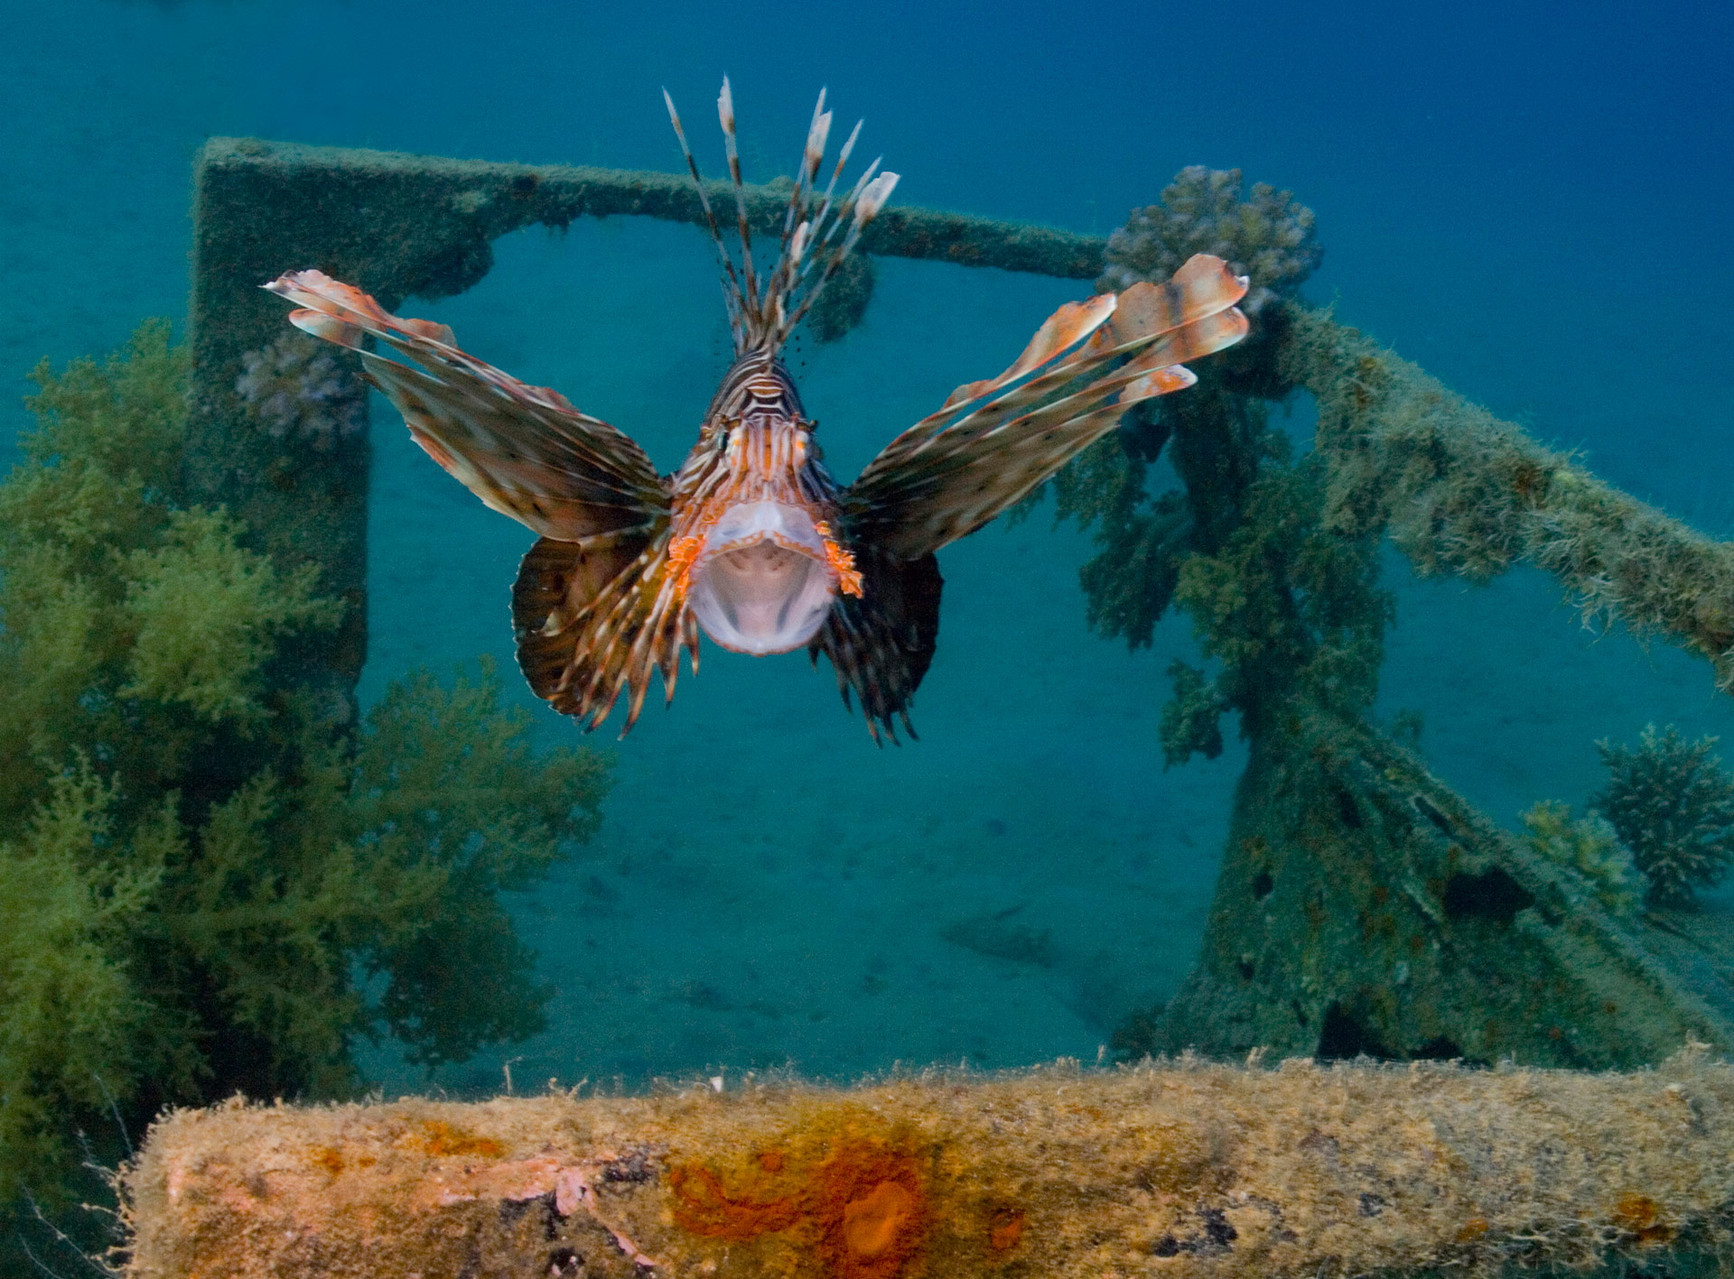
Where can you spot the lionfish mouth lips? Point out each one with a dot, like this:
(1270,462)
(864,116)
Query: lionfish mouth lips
(761,548)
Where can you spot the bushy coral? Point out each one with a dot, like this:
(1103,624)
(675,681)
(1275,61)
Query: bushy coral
(1131,582)
(1267,235)
(1672,802)
(1192,719)
(71,1008)
(1157,549)
(1285,605)
(1590,846)
(297,387)
(205,616)
(211,879)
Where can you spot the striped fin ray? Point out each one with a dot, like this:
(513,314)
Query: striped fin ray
(996,440)
(1076,386)
(1113,323)
(861,207)
(818,218)
(593,620)
(796,233)
(593,608)
(523,450)
(725,111)
(818,234)
(731,281)
(881,642)
(812,156)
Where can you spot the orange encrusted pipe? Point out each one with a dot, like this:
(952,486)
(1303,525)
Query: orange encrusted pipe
(1183,1169)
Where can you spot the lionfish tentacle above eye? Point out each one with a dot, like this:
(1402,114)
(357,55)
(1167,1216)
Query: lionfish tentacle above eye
(762,319)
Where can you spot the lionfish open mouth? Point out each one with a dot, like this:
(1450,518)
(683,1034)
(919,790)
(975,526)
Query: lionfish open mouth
(760,582)
(752,539)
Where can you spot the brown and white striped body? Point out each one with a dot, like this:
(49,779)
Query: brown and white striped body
(751,539)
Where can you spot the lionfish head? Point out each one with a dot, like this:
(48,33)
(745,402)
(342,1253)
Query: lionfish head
(753,549)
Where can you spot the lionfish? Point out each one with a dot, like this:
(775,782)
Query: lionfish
(751,540)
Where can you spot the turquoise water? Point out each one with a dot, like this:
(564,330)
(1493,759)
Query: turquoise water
(1530,200)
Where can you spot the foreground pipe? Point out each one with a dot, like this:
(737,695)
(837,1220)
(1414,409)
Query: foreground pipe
(1188,1169)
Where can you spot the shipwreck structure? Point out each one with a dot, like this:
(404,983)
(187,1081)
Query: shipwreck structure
(1363,906)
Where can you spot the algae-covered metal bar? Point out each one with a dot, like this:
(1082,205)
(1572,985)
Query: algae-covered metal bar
(1179,1169)
(1462,492)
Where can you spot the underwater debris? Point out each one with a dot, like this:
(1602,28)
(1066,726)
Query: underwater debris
(212,878)
(1672,802)
(1590,846)
(1000,935)
(297,388)
(1268,235)
(1336,815)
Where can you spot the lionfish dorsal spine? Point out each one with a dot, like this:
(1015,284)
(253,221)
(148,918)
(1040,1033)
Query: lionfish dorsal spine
(813,229)
(865,201)
(725,114)
(731,281)
(795,226)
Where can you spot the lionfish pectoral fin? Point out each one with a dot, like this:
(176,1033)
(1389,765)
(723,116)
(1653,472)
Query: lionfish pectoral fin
(992,442)
(524,450)
(881,642)
(594,619)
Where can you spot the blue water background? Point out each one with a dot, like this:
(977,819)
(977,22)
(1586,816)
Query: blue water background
(1531,200)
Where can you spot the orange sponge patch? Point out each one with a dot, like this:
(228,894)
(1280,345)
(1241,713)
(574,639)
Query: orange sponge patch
(1641,1216)
(853,1206)
(439,1138)
(879,1230)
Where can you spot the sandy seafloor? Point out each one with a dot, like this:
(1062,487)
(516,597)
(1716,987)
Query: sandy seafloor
(1528,199)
